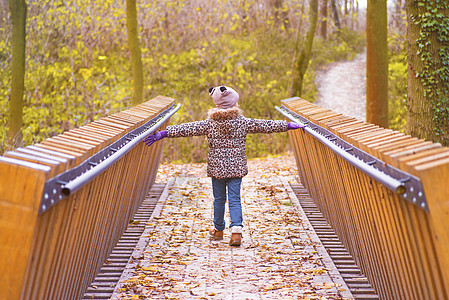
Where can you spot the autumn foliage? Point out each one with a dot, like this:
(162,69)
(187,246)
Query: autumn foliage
(78,67)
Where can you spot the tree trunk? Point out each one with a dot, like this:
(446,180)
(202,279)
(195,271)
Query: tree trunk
(324,19)
(134,49)
(428,71)
(302,61)
(346,12)
(298,33)
(352,14)
(279,15)
(377,63)
(18,10)
(336,16)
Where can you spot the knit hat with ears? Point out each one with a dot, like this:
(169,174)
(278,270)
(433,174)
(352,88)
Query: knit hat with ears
(224,97)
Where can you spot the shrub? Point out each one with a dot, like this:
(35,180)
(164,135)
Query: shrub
(397,82)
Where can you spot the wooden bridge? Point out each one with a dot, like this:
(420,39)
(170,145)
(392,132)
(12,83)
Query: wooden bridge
(82,217)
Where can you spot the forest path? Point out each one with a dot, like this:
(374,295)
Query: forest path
(342,87)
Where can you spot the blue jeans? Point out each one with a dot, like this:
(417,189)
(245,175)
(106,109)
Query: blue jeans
(235,205)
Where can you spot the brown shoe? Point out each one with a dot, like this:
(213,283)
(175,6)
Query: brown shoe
(236,239)
(216,234)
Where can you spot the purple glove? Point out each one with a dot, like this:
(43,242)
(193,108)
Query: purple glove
(149,140)
(291,125)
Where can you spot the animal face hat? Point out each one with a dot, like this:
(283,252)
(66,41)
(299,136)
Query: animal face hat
(224,97)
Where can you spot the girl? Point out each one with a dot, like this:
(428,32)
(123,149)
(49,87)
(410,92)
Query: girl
(226,129)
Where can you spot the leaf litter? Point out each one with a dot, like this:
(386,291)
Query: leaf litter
(277,260)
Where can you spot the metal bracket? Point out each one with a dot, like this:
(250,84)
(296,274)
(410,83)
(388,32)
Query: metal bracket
(70,181)
(402,183)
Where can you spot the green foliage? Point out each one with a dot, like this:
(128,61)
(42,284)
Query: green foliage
(69,81)
(397,82)
(243,62)
(433,44)
(257,65)
(342,45)
(78,65)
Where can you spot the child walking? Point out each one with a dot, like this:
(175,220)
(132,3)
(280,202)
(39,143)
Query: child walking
(226,129)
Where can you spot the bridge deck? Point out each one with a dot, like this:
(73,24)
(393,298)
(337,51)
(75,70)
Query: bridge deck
(399,241)
(281,255)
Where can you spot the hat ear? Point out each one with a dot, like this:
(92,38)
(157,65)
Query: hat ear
(222,89)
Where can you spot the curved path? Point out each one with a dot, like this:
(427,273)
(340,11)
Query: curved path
(342,87)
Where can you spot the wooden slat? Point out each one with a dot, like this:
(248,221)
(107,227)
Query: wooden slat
(401,248)
(435,176)
(21,186)
(55,255)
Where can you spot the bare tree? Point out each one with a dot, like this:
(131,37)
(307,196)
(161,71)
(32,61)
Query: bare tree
(18,10)
(302,61)
(377,63)
(335,12)
(134,49)
(324,19)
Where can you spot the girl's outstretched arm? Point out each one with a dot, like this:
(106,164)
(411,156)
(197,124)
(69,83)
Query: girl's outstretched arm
(188,129)
(270,126)
(181,130)
(292,125)
(149,140)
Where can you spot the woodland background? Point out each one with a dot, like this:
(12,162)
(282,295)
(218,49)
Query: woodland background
(78,66)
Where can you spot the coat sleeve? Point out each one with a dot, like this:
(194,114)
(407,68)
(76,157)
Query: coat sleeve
(188,129)
(266,126)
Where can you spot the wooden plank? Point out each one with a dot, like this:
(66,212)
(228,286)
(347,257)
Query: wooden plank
(427,157)
(434,176)
(398,145)
(340,121)
(21,187)
(42,247)
(55,147)
(400,247)
(352,124)
(71,159)
(70,240)
(387,140)
(393,157)
(56,166)
(61,160)
(354,137)
(373,137)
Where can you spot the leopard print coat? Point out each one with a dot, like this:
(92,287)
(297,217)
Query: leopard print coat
(226,131)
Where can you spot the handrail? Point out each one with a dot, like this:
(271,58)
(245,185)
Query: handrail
(67,183)
(401,183)
(44,245)
(400,246)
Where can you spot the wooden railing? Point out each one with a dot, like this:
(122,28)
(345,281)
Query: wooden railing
(54,252)
(401,247)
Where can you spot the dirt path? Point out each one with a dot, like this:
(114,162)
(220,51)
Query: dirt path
(342,87)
